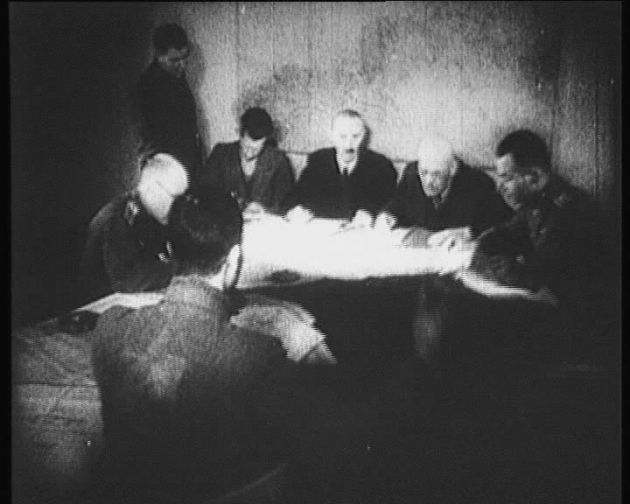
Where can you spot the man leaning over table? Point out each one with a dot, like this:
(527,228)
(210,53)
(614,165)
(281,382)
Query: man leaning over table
(439,193)
(345,181)
(128,248)
(554,243)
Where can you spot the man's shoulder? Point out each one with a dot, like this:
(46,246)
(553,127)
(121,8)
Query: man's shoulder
(321,158)
(225,146)
(374,157)
(475,178)
(274,154)
(562,194)
(112,324)
(325,154)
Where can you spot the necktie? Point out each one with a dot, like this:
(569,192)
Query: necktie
(437,201)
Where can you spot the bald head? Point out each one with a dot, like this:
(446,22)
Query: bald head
(163,178)
(436,164)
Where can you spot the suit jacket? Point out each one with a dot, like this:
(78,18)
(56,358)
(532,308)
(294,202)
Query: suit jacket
(321,188)
(190,402)
(471,201)
(271,182)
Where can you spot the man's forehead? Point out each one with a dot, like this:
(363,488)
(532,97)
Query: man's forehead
(505,164)
(435,152)
(345,124)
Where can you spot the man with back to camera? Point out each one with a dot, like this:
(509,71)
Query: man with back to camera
(438,192)
(127,248)
(192,405)
(347,180)
(252,168)
(165,107)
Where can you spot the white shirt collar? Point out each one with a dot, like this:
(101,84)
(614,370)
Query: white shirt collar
(350,166)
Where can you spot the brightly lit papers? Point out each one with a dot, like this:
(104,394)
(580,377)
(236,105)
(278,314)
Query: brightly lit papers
(321,249)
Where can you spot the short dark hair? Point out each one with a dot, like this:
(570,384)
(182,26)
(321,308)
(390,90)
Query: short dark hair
(256,122)
(527,148)
(203,231)
(167,36)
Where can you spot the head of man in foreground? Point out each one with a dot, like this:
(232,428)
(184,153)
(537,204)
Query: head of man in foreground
(206,236)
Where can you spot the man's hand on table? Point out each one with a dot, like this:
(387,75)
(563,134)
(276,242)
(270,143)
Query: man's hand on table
(299,215)
(384,222)
(362,219)
(254,211)
(452,238)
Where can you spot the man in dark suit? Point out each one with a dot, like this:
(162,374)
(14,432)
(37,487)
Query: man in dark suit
(438,192)
(252,169)
(165,108)
(347,179)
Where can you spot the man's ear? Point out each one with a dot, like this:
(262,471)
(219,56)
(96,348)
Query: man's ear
(233,263)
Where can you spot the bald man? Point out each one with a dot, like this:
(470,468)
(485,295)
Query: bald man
(438,192)
(347,179)
(127,249)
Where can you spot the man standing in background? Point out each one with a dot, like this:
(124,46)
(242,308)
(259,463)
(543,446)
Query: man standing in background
(165,107)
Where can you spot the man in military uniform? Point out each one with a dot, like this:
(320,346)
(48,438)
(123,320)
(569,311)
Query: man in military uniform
(554,241)
(164,106)
(127,248)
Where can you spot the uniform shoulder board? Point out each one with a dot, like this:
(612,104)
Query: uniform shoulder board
(132,209)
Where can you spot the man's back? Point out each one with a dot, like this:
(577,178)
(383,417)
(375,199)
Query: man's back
(190,403)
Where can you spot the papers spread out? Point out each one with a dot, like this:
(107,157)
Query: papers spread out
(493,289)
(324,248)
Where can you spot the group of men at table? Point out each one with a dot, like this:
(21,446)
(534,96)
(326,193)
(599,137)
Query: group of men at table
(199,406)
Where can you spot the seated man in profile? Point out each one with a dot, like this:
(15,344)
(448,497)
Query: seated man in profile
(252,169)
(553,242)
(127,248)
(192,405)
(556,238)
(438,192)
(347,180)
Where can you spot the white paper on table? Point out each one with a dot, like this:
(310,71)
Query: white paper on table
(490,288)
(320,249)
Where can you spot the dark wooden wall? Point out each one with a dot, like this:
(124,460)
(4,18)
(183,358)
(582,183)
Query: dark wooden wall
(471,71)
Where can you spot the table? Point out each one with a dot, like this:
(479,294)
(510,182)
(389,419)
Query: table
(359,288)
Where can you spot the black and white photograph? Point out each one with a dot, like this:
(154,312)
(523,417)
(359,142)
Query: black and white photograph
(315,252)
